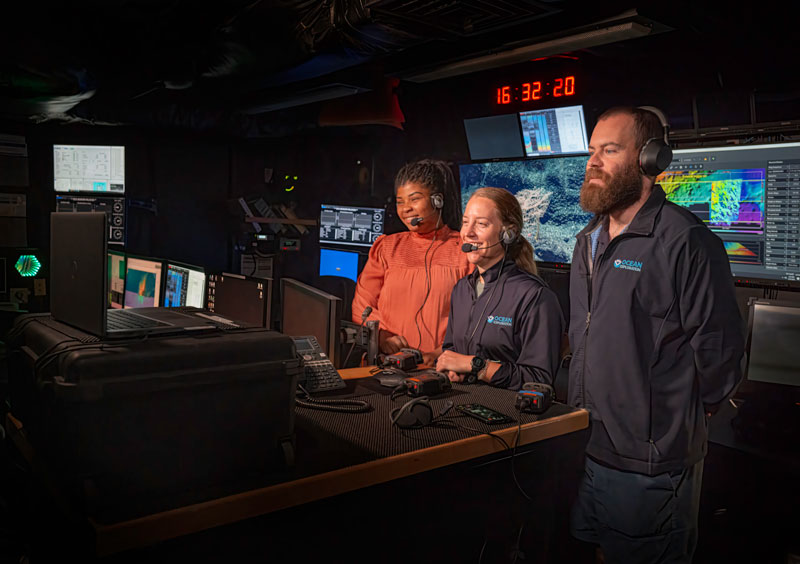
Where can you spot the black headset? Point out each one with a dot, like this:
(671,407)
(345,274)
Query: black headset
(414,414)
(656,155)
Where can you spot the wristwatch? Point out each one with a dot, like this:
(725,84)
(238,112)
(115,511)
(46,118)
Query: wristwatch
(478,364)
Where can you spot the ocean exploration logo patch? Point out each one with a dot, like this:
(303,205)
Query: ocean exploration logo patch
(499,320)
(624,264)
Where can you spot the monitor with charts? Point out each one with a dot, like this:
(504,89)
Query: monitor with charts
(184,285)
(99,169)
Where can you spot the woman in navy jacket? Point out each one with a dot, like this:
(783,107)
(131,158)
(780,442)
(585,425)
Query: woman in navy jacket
(505,324)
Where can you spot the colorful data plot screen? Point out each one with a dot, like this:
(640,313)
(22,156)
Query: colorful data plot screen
(116,280)
(557,131)
(750,197)
(548,191)
(184,286)
(338,263)
(142,283)
(89,168)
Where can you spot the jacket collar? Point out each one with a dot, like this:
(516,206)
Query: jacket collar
(644,221)
(492,272)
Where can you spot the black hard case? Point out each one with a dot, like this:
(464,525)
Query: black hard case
(131,427)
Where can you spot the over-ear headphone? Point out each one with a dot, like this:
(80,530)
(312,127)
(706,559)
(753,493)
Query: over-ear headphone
(508,236)
(414,414)
(437,201)
(656,154)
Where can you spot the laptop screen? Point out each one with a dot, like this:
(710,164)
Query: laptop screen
(143,283)
(184,286)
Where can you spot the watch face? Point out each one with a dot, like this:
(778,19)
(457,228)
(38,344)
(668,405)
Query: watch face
(477,363)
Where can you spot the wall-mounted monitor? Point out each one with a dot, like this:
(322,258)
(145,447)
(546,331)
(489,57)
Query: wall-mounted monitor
(143,282)
(555,131)
(333,262)
(548,191)
(350,225)
(116,279)
(99,169)
(750,197)
(184,285)
(309,311)
(241,298)
(494,137)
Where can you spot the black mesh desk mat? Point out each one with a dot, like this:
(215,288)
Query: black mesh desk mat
(354,438)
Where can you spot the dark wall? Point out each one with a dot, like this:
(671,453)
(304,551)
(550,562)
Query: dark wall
(183,185)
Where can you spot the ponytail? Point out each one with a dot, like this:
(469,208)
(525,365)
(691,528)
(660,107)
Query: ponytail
(522,252)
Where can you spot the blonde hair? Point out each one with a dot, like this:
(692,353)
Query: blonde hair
(511,215)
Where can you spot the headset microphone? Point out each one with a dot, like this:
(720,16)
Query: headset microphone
(417,220)
(472,247)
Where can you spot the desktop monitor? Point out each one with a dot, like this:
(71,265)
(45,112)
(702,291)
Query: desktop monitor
(548,190)
(333,262)
(241,298)
(750,197)
(309,311)
(773,355)
(350,225)
(770,414)
(494,137)
(99,169)
(556,131)
(184,285)
(116,279)
(143,282)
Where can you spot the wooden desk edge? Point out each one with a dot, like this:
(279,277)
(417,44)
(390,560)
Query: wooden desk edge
(193,518)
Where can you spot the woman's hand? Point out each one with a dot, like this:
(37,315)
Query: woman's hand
(454,362)
(389,343)
(429,358)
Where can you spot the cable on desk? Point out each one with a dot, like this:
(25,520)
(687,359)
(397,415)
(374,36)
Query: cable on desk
(304,399)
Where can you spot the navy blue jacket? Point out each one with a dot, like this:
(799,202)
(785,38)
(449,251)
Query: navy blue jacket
(516,321)
(656,336)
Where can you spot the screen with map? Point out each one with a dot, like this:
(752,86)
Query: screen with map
(750,197)
(548,190)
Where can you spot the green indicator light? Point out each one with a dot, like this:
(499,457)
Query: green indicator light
(28,265)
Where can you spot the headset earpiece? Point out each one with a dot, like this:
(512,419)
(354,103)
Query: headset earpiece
(414,414)
(508,236)
(656,155)
(437,201)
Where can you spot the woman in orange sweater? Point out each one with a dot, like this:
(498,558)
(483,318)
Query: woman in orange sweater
(409,275)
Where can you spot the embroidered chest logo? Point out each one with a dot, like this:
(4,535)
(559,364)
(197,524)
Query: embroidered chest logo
(499,320)
(624,264)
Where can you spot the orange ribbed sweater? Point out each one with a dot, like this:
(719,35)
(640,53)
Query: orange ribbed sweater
(393,282)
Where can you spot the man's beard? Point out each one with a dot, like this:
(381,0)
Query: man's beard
(620,191)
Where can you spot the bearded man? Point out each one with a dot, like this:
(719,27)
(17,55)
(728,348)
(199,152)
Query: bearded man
(657,344)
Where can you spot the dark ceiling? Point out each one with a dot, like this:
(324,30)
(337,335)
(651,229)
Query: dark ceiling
(244,66)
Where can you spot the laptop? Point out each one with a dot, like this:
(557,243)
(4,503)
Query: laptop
(79,280)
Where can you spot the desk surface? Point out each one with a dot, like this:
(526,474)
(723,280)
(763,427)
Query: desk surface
(181,521)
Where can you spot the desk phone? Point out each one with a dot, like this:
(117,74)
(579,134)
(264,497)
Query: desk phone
(319,374)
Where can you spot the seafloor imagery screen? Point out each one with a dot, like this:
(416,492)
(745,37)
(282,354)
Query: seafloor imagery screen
(548,191)
(750,197)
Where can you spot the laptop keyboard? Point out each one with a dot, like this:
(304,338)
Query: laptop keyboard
(119,320)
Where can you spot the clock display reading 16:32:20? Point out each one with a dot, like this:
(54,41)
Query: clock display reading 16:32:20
(536,90)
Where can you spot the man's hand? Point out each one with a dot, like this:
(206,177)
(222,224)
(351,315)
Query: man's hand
(389,343)
(454,362)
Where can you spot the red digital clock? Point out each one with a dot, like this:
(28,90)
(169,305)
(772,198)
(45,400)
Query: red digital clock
(536,90)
